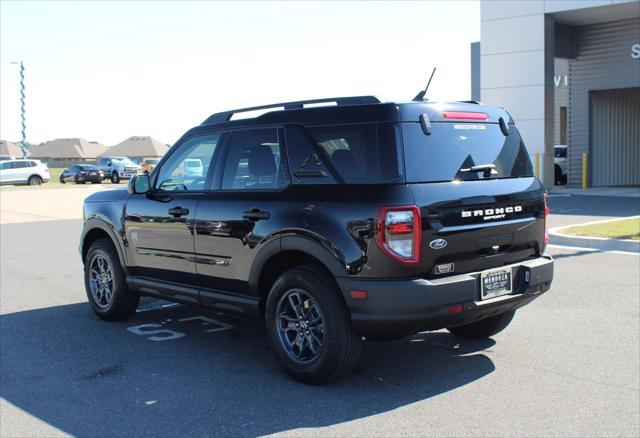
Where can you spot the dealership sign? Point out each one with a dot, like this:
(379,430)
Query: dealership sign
(635,51)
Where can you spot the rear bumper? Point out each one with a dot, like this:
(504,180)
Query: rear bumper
(397,308)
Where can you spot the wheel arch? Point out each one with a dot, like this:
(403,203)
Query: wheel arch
(95,229)
(285,253)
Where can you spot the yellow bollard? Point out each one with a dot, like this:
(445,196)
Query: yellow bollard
(585,161)
(536,159)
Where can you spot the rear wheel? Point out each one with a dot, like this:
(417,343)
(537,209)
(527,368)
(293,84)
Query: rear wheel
(309,327)
(105,283)
(35,180)
(115,178)
(485,328)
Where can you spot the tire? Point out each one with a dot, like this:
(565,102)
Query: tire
(115,178)
(122,302)
(35,180)
(485,328)
(62,181)
(340,345)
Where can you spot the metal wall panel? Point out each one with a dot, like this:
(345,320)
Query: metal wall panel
(615,137)
(603,62)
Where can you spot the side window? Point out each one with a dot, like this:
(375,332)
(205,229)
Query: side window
(73,169)
(19,164)
(306,165)
(253,161)
(361,154)
(187,168)
(5,166)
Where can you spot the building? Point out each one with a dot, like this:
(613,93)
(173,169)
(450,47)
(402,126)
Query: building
(137,148)
(64,152)
(569,73)
(10,149)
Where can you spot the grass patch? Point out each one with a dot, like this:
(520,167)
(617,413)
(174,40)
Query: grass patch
(54,183)
(620,229)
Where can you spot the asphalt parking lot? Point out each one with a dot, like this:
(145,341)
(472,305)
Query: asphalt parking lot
(567,366)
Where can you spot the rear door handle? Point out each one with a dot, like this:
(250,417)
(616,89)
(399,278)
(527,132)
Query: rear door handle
(255,214)
(178,211)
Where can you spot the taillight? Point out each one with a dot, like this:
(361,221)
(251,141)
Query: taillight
(547,212)
(399,232)
(465,115)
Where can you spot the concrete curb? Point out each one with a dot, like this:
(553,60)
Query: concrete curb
(557,237)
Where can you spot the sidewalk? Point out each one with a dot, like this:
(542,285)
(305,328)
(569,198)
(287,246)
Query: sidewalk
(620,192)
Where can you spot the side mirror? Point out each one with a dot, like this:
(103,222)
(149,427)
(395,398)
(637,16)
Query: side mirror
(139,184)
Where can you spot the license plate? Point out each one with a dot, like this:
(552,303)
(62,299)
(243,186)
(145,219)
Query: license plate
(93,173)
(495,283)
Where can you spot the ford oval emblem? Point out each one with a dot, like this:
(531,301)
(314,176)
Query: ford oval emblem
(438,243)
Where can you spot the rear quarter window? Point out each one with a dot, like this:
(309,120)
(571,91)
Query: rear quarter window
(356,154)
(455,146)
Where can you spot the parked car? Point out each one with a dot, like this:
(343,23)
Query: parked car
(31,172)
(7,157)
(82,173)
(193,168)
(117,168)
(560,163)
(148,164)
(363,219)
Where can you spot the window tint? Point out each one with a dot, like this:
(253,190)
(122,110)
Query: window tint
(560,152)
(253,161)
(305,162)
(5,166)
(88,167)
(188,166)
(361,154)
(73,169)
(455,146)
(19,165)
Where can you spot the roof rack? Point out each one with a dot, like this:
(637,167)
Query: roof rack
(352,100)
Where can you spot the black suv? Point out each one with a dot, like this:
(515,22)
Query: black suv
(332,223)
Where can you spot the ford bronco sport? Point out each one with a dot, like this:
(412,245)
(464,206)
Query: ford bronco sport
(332,223)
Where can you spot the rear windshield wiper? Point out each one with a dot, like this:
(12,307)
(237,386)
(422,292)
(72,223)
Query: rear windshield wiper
(486,169)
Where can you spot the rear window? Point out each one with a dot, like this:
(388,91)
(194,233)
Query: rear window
(359,154)
(455,146)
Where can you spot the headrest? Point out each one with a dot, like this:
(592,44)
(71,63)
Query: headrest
(261,162)
(344,161)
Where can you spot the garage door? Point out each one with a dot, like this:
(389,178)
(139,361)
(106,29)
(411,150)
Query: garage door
(615,137)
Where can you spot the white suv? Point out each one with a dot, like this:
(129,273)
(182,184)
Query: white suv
(31,172)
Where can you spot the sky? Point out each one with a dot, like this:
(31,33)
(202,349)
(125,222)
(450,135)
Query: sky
(105,71)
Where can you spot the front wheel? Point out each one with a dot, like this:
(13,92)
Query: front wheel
(309,326)
(485,328)
(115,178)
(105,284)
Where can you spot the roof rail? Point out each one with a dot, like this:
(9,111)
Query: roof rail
(225,116)
(471,101)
